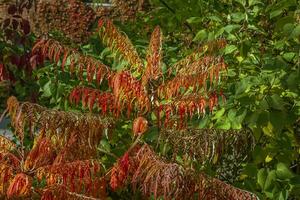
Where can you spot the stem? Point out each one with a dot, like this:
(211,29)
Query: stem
(3,114)
(82,196)
(108,153)
(134,143)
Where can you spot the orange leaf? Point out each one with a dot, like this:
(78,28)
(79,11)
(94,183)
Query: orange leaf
(20,186)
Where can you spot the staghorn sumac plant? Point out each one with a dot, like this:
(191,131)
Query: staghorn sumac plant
(62,154)
(142,88)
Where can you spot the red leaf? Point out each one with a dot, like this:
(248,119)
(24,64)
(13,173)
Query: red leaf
(64,59)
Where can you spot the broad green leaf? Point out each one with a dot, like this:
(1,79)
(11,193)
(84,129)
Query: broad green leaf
(215,18)
(200,36)
(289,56)
(236,125)
(288,29)
(254,2)
(283,195)
(211,36)
(269,183)
(277,102)
(283,21)
(231,114)
(296,32)
(105,144)
(153,116)
(295,180)
(259,154)
(193,20)
(275,13)
(244,49)
(231,27)
(47,89)
(283,172)
(251,170)
(242,87)
(229,49)
(219,113)
(238,17)
(242,2)
(261,177)
(203,122)
(223,124)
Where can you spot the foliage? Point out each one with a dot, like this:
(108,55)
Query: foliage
(220,65)
(262,86)
(62,154)
(16,60)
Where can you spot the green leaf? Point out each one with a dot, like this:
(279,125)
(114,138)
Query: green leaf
(254,2)
(223,124)
(153,116)
(242,2)
(229,49)
(283,195)
(296,32)
(288,28)
(105,144)
(275,13)
(283,21)
(268,129)
(283,172)
(261,177)
(47,89)
(251,170)
(236,125)
(259,154)
(237,17)
(245,47)
(242,87)
(231,27)
(277,102)
(203,122)
(289,56)
(105,53)
(211,36)
(200,36)
(269,183)
(193,20)
(219,113)
(231,114)
(295,180)
(215,18)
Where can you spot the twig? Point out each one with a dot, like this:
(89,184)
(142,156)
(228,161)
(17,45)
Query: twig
(82,196)
(3,114)
(134,143)
(108,153)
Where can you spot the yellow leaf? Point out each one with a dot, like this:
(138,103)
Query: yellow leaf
(268,130)
(268,159)
(243,176)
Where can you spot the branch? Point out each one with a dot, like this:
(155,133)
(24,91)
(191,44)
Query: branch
(134,143)
(108,153)
(82,196)
(3,114)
